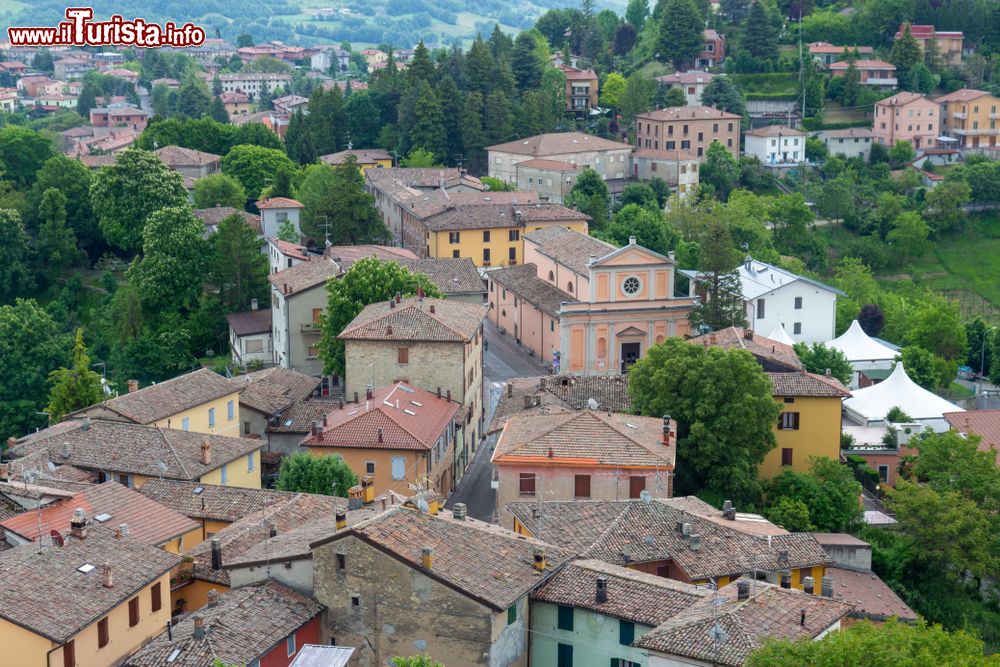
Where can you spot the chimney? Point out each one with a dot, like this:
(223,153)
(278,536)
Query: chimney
(66,450)
(285,290)
(380,436)
(666,430)
(392,304)
(670,255)
(199,627)
(728,511)
(206,453)
(802,616)
(748,334)
(742,590)
(314,429)
(439,392)
(368,394)
(427,557)
(355,398)
(786,578)
(388,330)
(340,519)
(449,394)
(539,560)
(602,589)
(510,390)
(107,579)
(593,259)
(686,529)
(809,585)
(4,470)
(324,420)
(11,441)
(340,403)
(133,385)
(78,524)
(432,308)
(272,529)
(213,598)
(399,297)
(828,372)
(631,240)
(459,511)
(529,401)
(254,304)
(645,497)
(216,554)
(123,530)
(827,587)
(695,540)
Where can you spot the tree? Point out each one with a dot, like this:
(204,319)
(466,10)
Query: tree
(498,119)
(819,359)
(244,39)
(337,197)
(428,132)
(124,194)
(526,63)
(718,280)
(829,492)
(193,99)
(326,475)
(419,159)
(943,206)
(416,661)
(674,97)
(287,233)
(901,153)
(74,388)
(734,11)
(872,319)
(367,281)
(852,81)
(72,179)
(22,153)
(494,184)
(30,346)
(980,355)
(56,241)
(236,265)
(936,325)
(925,368)
(625,38)
(219,190)
(722,93)
(15,274)
(906,53)
(681,32)
(868,644)
(791,514)
(86,101)
(760,39)
(217,110)
(473,136)
(836,198)
(168,275)
(613,90)
(646,225)
(636,12)
(252,165)
(590,195)
(725,414)
(721,170)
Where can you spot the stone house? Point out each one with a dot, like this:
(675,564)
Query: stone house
(189,163)
(298,301)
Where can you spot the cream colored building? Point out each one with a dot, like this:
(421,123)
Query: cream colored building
(972,117)
(608,158)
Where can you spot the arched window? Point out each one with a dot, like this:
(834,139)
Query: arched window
(602,348)
(552,277)
(569,287)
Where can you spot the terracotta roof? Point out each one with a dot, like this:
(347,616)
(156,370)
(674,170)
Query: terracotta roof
(686,78)
(961,95)
(759,346)
(771,612)
(413,319)
(864,64)
(216,214)
(398,180)
(400,417)
(234,98)
(688,113)
(482,212)
(176,156)
(871,597)
(299,416)
(825,47)
(288,249)
(807,384)
(452,275)
(632,595)
(840,540)
(487,563)
(147,520)
(279,202)
(243,626)
(346,255)
(134,449)
(273,389)
(631,531)
(558,143)
(775,131)
(568,247)
(362,155)
(984,423)
(577,74)
(212,502)
(901,99)
(250,322)
(560,393)
(45,592)
(161,400)
(523,280)
(304,276)
(551,165)
(585,438)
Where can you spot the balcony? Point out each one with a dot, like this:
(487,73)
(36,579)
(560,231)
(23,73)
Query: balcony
(311,328)
(881,81)
(976,133)
(960,115)
(181,574)
(994,115)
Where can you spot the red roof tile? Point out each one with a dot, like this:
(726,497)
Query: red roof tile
(984,423)
(279,202)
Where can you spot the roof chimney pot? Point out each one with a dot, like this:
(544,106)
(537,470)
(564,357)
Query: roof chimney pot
(459,511)
(427,558)
(107,578)
(742,590)
(199,627)
(809,585)
(216,554)
(133,385)
(340,519)
(206,453)
(602,589)
(213,598)
(78,524)
(827,587)
(538,560)
(432,308)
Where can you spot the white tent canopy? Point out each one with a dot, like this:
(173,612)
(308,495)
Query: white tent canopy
(871,404)
(859,347)
(779,334)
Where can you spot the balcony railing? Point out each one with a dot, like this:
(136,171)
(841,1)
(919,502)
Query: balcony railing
(880,81)
(311,327)
(977,132)
(960,115)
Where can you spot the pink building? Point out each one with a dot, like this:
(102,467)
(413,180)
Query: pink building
(877,73)
(907,117)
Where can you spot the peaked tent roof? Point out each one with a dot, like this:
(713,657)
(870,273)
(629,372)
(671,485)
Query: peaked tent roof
(872,403)
(779,334)
(859,346)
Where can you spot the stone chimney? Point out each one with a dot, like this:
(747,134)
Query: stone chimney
(809,585)
(427,558)
(380,438)
(539,560)
(432,308)
(786,578)
(254,304)
(748,334)
(78,524)
(728,511)
(133,385)
(272,530)
(695,541)
(392,304)
(340,519)
(510,390)
(216,554)
(601,594)
(199,627)
(368,394)
(742,590)
(66,450)
(107,579)
(213,598)
(666,430)
(459,511)
(631,240)
(206,453)
(122,530)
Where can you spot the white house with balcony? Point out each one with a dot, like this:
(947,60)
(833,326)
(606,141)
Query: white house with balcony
(776,145)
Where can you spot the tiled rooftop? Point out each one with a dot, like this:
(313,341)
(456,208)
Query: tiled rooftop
(273,389)
(568,247)
(558,393)
(413,320)
(760,346)
(250,322)
(558,143)
(304,276)
(210,501)
(523,280)
(869,595)
(807,385)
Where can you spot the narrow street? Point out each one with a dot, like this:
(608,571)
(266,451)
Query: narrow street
(503,359)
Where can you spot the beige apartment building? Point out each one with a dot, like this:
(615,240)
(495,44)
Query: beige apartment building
(971,117)
(688,129)
(608,158)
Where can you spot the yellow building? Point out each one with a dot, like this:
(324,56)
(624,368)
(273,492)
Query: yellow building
(972,117)
(88,603)
(366,158)
(493,234)
(201,401)
(131,454)
(809,424)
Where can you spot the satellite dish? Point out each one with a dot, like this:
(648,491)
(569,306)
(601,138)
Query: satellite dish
(592,404)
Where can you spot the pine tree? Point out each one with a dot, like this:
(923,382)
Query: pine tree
(451,109)
(759,36)
(498,121)
(56,241)
(480,67)
(217,110)
(681,32)
(216,85)
(719,281)
(420,68)
(299,139)
(193,100)
(500,44)
(525,63)
(473,136)
(852,80)
(636,12)
(86,101)
(428,131)
(74,388)
(905,54)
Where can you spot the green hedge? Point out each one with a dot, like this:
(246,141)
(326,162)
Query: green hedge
(813,124)
(784,97)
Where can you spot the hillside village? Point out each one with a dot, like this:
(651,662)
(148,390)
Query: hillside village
(665,338)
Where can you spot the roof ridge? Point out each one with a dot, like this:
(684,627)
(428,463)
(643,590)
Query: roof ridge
(569,417)
(166,441)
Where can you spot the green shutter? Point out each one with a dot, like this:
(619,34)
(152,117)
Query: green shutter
(511,613)
(565,618)
(626,632)
(565,655)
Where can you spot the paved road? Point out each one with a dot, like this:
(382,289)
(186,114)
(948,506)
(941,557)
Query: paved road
(503,360)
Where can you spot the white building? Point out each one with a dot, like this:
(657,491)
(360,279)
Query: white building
(776,145)
(253,83)
(283,255)
(852,142)
(274,212)
(250,335)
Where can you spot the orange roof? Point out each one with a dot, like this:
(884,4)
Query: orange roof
(984,423)
(290,249)
(864,64)
(962,95)
(279,202)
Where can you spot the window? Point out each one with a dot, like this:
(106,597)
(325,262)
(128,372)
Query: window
(786,456)
(636,485)
(512,255)
(398,467)
(454,237)
(788,399)
(685,144)
(369,467)
(133,612)
(564,655)
(157,598)
(883,473)
(552,277)
(569,287)
(631,286)
(684,129)
(581,486)
(797,328)
(626,632)
(224,473)
(511,613)
(486,237)
(355,600)
(565,618)
(760,309)
(526,484)
(230,411)
(102,633)
(290,644)
(514,235)
(211,417)
(552,325)
(701,136)
(622,662)
(454,253)
(402,355)
(341,562)
(788,421)
(69,654)
(250,461)
(486,255)
(798,303)
(186,424)
(317,316)
(671,145)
